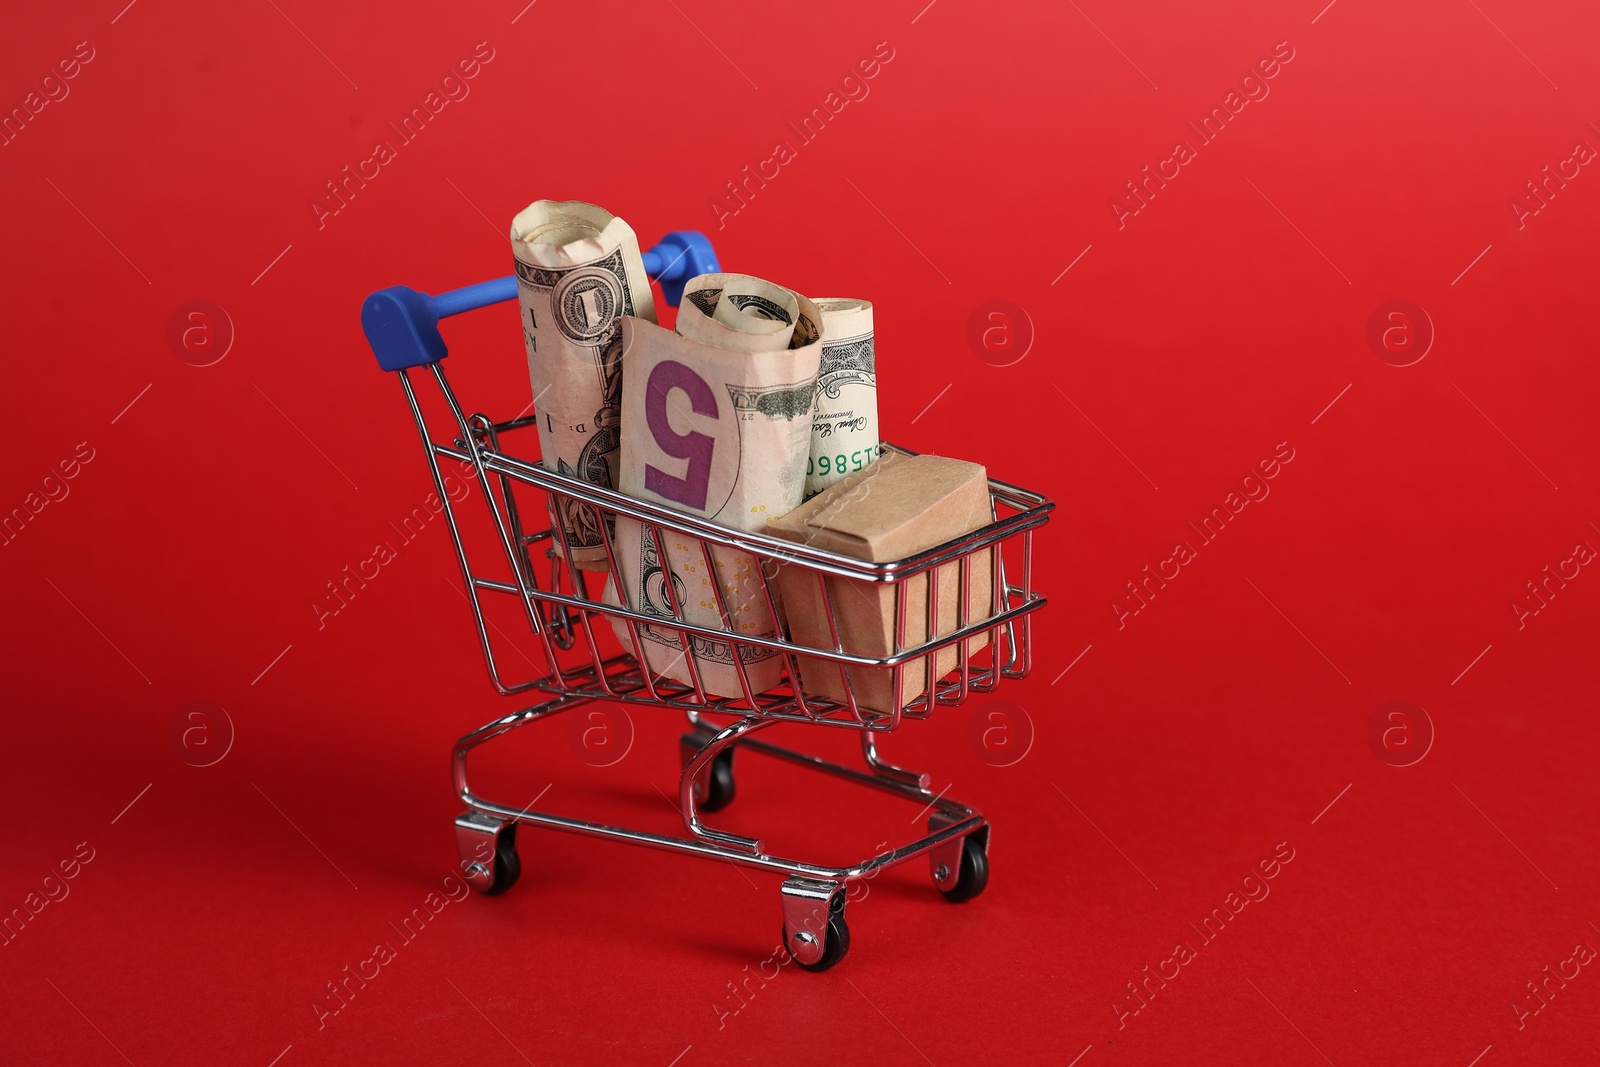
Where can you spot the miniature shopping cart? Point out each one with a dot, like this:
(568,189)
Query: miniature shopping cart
(572,624)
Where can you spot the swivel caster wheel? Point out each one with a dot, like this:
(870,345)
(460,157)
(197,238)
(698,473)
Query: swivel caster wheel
(835,945)
(488,847)
(961,867)
(812,941)
(507,863)
(715,789)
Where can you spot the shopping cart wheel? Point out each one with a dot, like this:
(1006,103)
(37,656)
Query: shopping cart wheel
(814,946)
(508,864)
(960,867)
(488,847)
(714,791)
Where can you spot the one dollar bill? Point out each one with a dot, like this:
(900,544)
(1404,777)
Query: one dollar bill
(579,273)
(844,430)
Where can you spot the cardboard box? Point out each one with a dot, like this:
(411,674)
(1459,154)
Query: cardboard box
(895,508)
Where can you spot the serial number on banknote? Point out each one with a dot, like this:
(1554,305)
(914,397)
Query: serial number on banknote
(841,463)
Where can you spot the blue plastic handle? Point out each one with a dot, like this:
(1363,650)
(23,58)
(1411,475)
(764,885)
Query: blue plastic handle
(402,325)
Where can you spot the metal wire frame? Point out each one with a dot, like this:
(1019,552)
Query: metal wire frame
(562,612)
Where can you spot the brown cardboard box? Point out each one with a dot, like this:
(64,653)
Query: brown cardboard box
(894,508)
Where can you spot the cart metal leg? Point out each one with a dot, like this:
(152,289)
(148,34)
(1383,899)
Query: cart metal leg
(813,895)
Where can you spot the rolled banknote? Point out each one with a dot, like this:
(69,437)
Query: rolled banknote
(578,273)
(716,423)
(844,425)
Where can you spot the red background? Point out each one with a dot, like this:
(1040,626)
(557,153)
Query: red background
(1221,320)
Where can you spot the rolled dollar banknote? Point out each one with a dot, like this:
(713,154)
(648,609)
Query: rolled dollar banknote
(578,273)
(844,426)
(717,423)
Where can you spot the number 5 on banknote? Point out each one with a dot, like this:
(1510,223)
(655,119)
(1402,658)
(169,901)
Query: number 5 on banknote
(696,447)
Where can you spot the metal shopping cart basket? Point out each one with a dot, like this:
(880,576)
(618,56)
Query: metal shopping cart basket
(570,623)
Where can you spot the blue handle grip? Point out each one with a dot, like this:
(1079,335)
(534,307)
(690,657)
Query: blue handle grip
(402,325)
